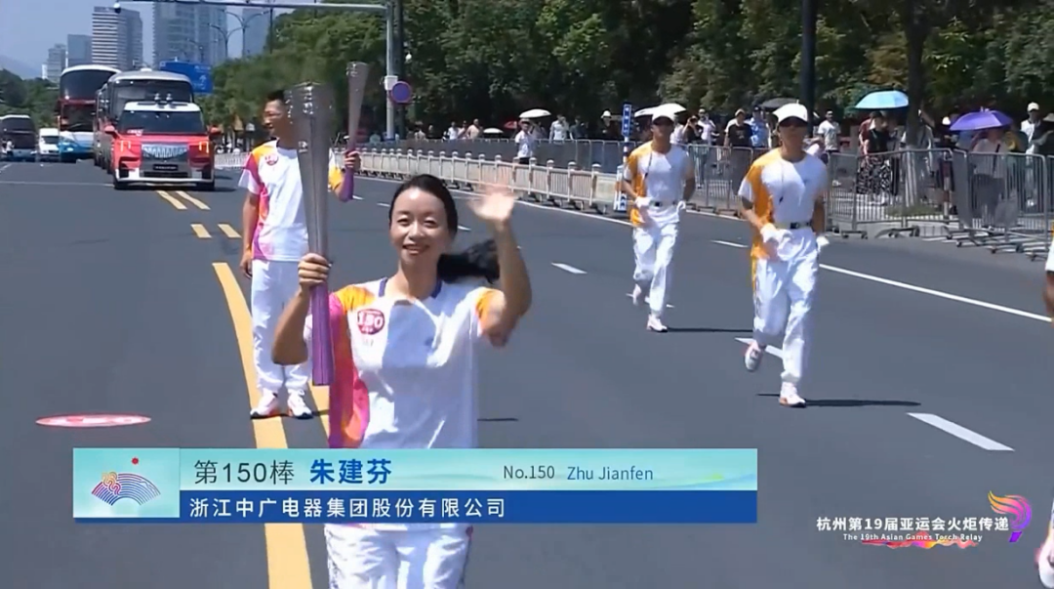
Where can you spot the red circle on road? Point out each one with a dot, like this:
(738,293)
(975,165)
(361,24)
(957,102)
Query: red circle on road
(89,420)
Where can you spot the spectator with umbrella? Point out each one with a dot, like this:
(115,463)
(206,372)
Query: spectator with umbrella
(987,155)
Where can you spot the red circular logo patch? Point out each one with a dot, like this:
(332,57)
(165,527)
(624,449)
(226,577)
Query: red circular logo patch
(371,321)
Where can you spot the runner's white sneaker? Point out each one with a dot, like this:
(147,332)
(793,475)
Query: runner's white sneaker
(1044,558)
(267,407)
(638,295)
(752,358)
(297,407)
(789,396)
(654,324)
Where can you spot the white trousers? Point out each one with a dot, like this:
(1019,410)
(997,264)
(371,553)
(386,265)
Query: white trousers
(364,558)
(653,248)
(273,286)
(783,298)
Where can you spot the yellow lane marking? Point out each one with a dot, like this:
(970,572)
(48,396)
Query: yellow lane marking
(229,231)
(287,560)
(200,231)
(172,200)
(192,200)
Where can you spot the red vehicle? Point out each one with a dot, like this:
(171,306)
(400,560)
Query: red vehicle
(162,143)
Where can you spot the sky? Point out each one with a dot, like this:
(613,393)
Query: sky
(28,28)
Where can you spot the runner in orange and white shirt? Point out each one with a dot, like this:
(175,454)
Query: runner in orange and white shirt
(658,180)
(406,362)
(782,198)
(274,239)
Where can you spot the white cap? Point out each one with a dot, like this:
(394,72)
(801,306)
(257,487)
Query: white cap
(607,113)
(665,111)
(792,111)
(1032,106)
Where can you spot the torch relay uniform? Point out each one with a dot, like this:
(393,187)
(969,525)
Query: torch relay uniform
(658,180)
(272,174)
(405,373)
(784,195)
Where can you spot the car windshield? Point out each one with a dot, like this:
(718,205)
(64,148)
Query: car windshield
(161,123)
(50,139)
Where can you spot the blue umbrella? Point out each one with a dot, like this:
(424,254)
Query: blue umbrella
(882,100)
(985,119)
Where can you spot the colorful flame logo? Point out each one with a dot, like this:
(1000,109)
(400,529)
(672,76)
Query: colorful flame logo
(1016,508)
(922,539)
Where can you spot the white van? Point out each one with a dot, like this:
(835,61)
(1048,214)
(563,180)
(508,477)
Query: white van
(48,144)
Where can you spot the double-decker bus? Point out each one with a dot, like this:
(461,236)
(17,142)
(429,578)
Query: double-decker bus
(18,138)
(133,86)
(78,86)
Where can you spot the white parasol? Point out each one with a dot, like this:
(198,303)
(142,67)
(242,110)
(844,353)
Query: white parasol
(644,112)
(535,113)
(673,107)
(493,131)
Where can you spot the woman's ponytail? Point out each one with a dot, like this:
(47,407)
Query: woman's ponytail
(478,261)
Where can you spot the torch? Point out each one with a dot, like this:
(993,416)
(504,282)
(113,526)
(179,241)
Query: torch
(357,74)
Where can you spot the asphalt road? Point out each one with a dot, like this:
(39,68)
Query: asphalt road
(114,302)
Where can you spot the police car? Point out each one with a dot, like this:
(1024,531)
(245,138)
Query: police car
(162,142)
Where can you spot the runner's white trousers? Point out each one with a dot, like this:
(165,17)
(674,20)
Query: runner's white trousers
(653,249)
(273,286)
(783,297)
(364,558)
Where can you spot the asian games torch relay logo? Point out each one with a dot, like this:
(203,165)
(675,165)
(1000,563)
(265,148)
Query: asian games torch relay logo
(1014,507)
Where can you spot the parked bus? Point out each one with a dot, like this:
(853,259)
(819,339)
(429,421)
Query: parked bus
(133,86)
(18,138)
(76,106)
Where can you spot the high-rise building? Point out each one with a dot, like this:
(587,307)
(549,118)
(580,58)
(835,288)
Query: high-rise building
(78,50)
(255,24)
(56,63)
(190,33)
(117,38)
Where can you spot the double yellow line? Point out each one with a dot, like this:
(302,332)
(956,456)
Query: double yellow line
(178,204)
(287,558)
(202,232)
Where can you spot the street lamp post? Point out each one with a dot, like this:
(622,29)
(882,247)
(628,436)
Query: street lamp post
(808,57)
(388,9)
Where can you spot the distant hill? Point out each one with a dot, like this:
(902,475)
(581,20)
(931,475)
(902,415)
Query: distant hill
(18,68)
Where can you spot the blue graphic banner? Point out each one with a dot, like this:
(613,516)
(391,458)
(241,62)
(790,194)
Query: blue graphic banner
(414,486)
(200,74)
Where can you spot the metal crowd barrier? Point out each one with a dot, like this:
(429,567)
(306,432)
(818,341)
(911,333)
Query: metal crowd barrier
(999,201)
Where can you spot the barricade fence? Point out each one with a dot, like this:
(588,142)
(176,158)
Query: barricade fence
(1000,201)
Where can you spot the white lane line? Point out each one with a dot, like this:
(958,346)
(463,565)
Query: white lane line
(728,243)
(567,268)
(384,204)
(961,432)
(463,228)
(937,293)
(356,197)
(937,239)
(4,167)
(630,295)
(878,279)
(773,350)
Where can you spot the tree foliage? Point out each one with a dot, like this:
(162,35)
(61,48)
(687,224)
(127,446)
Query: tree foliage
(490,59)
(30,97)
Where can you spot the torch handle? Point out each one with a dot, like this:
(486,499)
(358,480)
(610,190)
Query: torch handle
(321,338)
(347,187)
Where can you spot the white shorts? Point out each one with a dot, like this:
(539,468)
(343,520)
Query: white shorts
(367,558)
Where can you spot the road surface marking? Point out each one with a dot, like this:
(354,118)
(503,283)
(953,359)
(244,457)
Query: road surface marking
(88,421)
(463,228)
(937,293)
(961,432)
(567,268)
(287,561)
(27,183)
(384,204)
(728,243)
(192,200)
(356,197)
(229,231)
(630,295)
(172,200)
(773,350)
(4,167)
(200,231)
(878,279)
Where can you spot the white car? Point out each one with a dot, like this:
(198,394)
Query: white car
(48,144)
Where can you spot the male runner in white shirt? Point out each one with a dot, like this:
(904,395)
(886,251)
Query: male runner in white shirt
(275,238)
(658,179)
(782,198)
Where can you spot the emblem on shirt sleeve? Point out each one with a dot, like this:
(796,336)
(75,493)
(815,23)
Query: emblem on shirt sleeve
(370,321)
